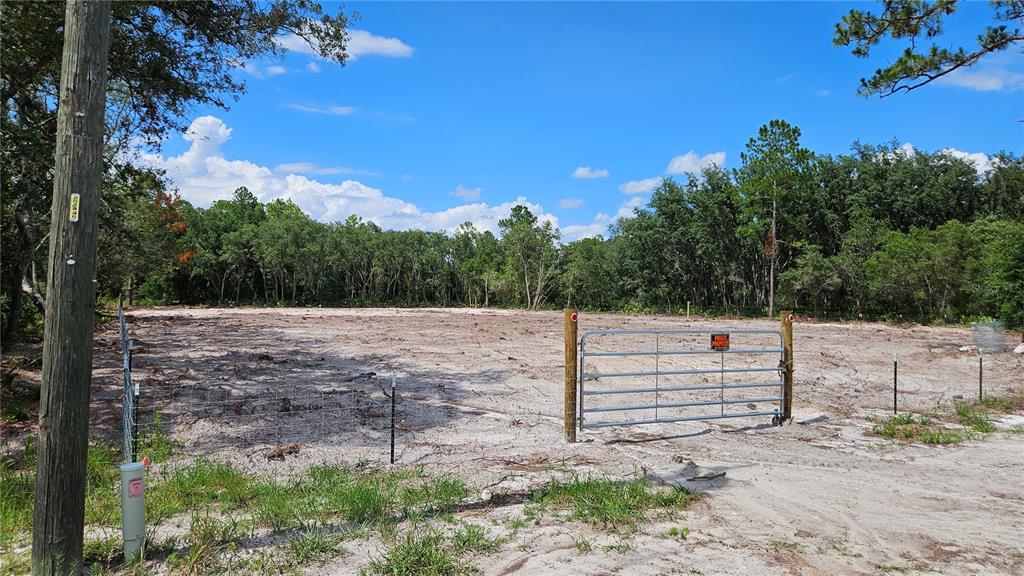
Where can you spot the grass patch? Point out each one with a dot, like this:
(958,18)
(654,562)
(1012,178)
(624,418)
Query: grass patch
(974,418)
(1005,404)
(1018,429)
(474,538)
(419,553)
(941,436)
(311,547)
(680,533)
(583,546)
(902,426)
(915,427)
(17,491)
(611,504)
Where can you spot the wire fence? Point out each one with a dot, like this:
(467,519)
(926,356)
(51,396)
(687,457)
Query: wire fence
(363,413)
(255,405)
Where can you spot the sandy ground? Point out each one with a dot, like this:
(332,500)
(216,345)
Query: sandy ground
(480,396)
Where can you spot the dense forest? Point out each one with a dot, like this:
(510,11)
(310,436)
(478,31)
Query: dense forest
(881,232)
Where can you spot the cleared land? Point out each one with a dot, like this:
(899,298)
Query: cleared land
(480,398)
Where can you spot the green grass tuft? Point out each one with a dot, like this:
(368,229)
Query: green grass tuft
(914,427)
(310,547)
(974,418)
(419,554)
(610,503)
(474,538)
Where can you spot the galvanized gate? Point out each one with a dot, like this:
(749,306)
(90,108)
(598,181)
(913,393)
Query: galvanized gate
(679,375)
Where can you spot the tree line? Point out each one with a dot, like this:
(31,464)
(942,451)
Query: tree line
(880,232)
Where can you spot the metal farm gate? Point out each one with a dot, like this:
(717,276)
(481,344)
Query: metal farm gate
(652,376)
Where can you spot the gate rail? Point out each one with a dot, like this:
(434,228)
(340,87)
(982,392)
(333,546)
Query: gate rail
(778,383)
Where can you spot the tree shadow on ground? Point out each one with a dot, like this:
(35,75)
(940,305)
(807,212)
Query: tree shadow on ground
(209,384)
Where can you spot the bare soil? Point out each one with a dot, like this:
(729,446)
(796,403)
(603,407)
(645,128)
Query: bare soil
(480,396)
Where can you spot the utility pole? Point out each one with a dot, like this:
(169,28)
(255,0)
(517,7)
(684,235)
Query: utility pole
(771,275)
(59,514)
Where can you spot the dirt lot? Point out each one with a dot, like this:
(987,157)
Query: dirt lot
(480,396)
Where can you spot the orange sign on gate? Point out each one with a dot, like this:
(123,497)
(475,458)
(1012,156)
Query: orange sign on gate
(719,341)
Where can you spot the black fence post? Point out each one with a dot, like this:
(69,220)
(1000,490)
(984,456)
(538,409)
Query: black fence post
(393,394)
(981,397)
(894,380)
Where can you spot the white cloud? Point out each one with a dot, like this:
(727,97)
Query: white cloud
(601,222)
(588,172)
(691,163)
(363,43)
(333,110)
(982,162)
(202,174)
(570,203)
(256,70)
(310,168)
(823,93)
(990,80)
(467,194)
(360,43)
(313,67)
(640,186)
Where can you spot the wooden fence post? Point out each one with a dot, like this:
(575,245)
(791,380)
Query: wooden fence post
(787,357)
(570,375)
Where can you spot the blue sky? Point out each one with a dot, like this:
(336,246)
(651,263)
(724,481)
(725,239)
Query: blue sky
(455,111)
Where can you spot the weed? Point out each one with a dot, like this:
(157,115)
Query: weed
(912,427)
(1004,403)
(609,503)
(843,550)
(974,418)
(419,554)
(1018,429)
(785,547)
(15,563)
(621,546)
(943,436)
(583,546)
(155,443)
(310,547)
(473,538)
(104,551)
(514,523)
(680,533)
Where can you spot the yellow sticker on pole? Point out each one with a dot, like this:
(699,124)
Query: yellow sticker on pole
(73,211)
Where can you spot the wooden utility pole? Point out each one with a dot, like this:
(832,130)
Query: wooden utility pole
(787,368)
(771,274)
(59,514)
(570,374)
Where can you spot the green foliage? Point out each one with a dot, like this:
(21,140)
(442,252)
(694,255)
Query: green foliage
(166,58)
(919,21)
(419,553)
(474,538)
(879,233)
(611,504)
(913,427)
(974,418)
